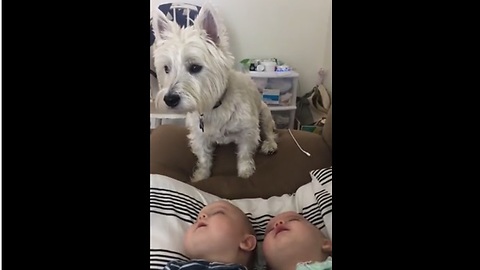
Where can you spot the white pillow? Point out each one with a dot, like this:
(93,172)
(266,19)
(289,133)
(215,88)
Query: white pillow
(174,206)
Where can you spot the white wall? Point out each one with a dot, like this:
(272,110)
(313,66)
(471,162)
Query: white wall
(328,56)
(295,31)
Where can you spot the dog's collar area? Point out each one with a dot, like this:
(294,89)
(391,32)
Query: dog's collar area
(219,102)
(201,124)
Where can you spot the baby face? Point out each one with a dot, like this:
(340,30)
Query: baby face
(220,227)
(290,233)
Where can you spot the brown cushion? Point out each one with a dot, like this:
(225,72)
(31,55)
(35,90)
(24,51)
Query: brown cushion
(327,129)
(275,175)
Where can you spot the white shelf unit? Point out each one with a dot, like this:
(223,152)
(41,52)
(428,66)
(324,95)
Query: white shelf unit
(156,118)
(285,83)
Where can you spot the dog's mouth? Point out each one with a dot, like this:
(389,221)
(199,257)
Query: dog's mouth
(179,103)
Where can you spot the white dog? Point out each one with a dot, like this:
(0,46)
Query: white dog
(195,73)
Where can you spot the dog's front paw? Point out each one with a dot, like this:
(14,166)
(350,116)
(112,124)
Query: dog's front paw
(269,147)
(200,174)
(245,169)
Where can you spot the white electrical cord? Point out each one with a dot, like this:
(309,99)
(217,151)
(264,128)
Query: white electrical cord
(305,152)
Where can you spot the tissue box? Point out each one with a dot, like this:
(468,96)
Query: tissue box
(277,88)
(271,96)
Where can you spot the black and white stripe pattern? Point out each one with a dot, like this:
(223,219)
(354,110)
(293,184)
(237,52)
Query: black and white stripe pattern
(323,176)
(323,196)
(160,257)
(171,202)
(313,215)
(174,206)
(259,223)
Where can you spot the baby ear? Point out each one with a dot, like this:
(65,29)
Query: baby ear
(327,246)
(248,243)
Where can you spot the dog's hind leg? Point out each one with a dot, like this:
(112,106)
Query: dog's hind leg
(247,144)
(267,125)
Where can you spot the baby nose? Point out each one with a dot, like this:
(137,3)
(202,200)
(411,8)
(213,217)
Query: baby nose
(202,216)
(280,222)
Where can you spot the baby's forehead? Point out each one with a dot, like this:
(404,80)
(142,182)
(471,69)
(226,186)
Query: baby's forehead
(289,214)
(219,204)
(286,215)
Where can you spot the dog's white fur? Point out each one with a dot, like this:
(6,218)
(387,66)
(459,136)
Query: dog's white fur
(242,115)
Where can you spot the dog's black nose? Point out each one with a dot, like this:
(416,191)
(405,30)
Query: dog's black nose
(172,100)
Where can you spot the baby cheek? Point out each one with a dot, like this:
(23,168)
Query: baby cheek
(186,237)
(228,229)
(266,247)
(189,234)
(307,233)
(189,231)
(186,241)
(224,223)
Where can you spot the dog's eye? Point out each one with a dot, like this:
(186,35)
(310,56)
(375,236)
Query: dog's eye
(194,68)
(167,70)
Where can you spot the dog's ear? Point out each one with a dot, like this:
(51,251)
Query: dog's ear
(208,20)
(161,24)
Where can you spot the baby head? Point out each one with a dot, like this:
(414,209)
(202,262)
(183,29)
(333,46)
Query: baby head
(222,233)
(290,239)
